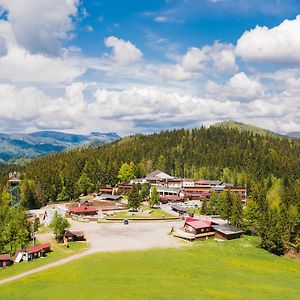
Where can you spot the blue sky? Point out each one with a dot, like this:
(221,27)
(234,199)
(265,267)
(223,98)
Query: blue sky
(143,66)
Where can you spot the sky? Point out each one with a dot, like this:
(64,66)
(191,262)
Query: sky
(142,66)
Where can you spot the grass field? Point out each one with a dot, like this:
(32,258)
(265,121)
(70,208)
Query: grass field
(59,252)
(155,213)
(205,270)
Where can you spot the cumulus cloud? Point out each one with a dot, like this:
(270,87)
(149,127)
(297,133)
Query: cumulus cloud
(136,109)
(40,26)
(124,52)
(242,87)
(18,64)
(218,58)
(280,44)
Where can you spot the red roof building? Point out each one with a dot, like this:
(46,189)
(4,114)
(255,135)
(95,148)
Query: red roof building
(32,252)
(83,210)
(196,226)
(38,248)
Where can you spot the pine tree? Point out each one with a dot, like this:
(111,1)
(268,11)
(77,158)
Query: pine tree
(236,211)
(154,200)
(134,200)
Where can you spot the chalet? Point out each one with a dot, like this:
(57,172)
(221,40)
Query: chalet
(196,226)
(196,192)
(5,260)
(32,252)
(72,236)
(83,211)
(106,190)
(227,232)
(158,176)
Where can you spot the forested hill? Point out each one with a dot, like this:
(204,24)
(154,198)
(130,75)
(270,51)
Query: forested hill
(230,124)
(199,153)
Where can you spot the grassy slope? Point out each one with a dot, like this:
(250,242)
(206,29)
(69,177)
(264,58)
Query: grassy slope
(206,270)
(59,252)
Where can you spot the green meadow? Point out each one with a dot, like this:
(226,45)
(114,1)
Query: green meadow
(59,252)
(204,270)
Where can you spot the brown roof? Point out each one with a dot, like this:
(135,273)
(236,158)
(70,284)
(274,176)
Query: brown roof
(38,248)
(74,233)
(4,257)
(82,209)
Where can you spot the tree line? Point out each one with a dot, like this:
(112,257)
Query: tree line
(242,158)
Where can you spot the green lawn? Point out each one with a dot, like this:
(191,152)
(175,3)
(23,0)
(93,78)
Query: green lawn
(155,213)
(59,252)
(205,270)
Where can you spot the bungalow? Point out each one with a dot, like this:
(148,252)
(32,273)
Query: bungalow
(5,260)
(32,252)
(196,226)
(83,211)
(72,236)
(227,232)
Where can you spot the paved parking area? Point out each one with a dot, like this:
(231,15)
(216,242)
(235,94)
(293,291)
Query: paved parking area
(134,236)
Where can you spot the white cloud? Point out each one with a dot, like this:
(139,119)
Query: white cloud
(218,59)
(242,87)
(124,52)
(136,110)
(177,73)
(40,26)
(18,64)
(280,44)
(160,19)
(193,59)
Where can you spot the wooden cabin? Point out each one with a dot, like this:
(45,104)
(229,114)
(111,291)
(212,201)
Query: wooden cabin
(83,211)
(227,232)
(5,260)
(196,226)
(32,252)
(73,236)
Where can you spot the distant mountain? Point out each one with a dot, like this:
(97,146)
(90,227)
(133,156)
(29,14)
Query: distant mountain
(16,146)
(246,127)
(295,134)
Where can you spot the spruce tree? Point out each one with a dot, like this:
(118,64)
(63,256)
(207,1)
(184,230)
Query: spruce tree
(134,199)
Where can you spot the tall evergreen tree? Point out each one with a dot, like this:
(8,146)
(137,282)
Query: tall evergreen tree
(134,199)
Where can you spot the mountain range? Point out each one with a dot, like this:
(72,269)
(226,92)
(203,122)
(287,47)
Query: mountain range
(20,146)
